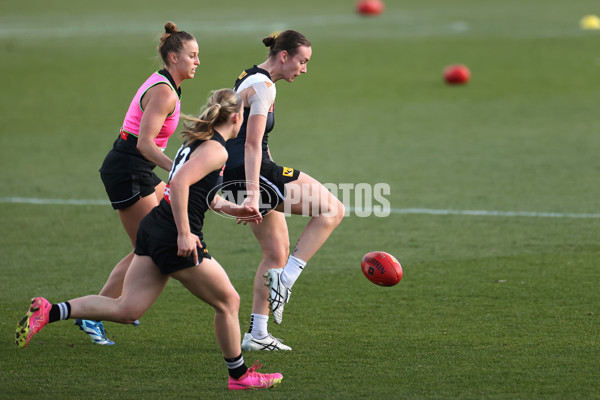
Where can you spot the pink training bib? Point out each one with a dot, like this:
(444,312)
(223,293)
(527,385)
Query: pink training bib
(131,123)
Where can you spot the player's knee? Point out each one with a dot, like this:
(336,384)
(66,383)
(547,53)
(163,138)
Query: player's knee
(230,303)
(276,257)
(340,212)
(233,302)
(126,314)
(335,214)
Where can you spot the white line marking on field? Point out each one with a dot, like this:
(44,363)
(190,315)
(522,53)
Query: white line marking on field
(425,211)
(63,202)
(392,25)
(487,213)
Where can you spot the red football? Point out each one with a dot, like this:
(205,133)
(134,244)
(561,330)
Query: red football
(381,268)
(370,7)
(457,74)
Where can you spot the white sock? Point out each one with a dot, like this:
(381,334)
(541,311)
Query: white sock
(259,325)
(292,271)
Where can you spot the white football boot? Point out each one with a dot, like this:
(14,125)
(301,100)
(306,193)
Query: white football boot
(278,293)
(269,343)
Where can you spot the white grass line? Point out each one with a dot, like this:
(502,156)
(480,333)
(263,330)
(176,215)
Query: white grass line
(479,213)
(487,213)
(423,211)
(392,25)
(70,202)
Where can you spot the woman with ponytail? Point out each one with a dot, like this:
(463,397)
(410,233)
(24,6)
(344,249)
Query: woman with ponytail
(170,244)
(127,171)
(273,188)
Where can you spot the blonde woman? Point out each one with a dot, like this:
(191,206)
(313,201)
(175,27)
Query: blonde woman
(170,244)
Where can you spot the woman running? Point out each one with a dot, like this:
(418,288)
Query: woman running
(170,244)
(127,172)
(273,188)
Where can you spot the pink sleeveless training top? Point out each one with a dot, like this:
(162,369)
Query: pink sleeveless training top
(131,124)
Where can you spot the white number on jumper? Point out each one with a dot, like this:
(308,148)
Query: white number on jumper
(180,158)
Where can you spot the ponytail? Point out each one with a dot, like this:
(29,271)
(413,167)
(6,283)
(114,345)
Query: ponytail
(221,104)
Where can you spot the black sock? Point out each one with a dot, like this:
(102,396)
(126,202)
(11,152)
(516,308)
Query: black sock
(59,312)
(237,367)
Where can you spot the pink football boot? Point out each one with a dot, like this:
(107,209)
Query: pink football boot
(254,380)
(33,322)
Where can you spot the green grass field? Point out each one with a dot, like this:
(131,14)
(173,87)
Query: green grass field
(500,305)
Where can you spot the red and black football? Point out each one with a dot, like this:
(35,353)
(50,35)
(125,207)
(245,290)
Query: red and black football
(381,268)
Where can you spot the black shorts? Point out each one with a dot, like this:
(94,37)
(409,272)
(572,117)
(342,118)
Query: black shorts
(272,178)
(127,178)
(160,244)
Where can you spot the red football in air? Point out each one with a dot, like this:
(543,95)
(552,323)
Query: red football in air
(457,74)
(370,7)
(381,268)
